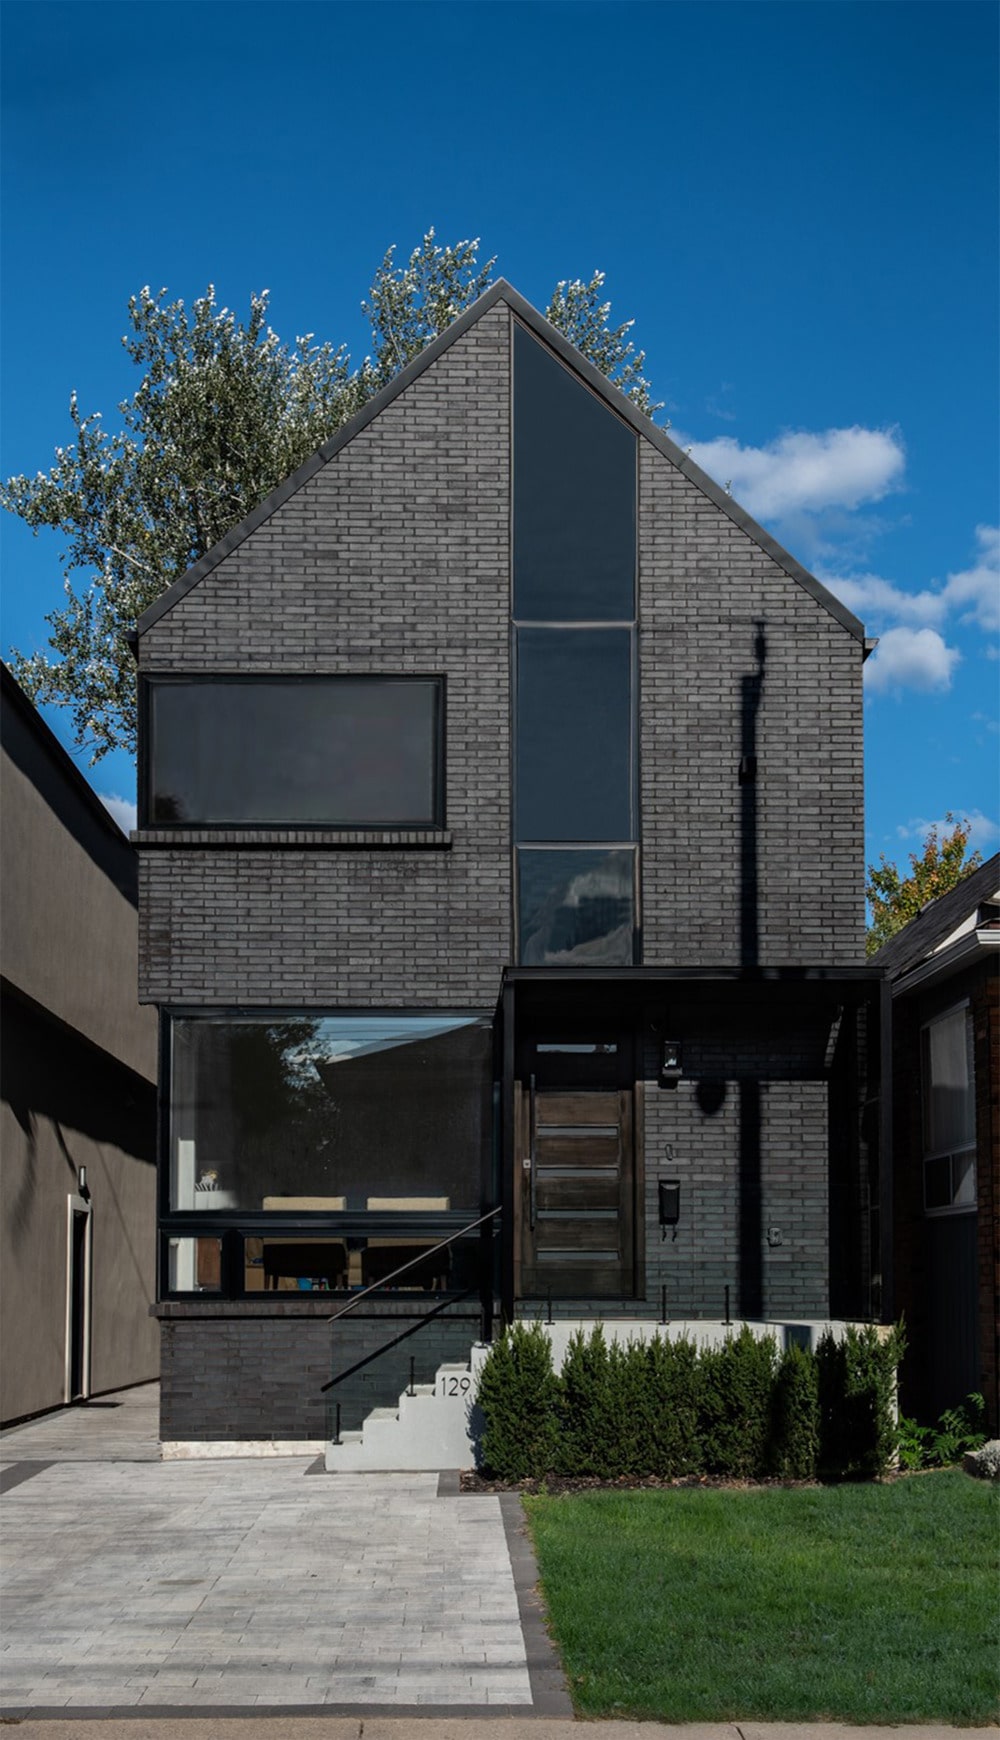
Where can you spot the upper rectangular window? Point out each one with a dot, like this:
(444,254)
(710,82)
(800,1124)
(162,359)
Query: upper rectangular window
(575,496)
(314,752)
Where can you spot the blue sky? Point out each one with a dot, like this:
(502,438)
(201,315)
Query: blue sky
(797,203)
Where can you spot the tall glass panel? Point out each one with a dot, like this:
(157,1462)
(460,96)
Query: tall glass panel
(329,1114)
(573,734)
(576,908)
(574,496)
(314,752)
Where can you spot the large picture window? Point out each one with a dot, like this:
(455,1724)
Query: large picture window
(317,752)
(949,1107)
(329,1114)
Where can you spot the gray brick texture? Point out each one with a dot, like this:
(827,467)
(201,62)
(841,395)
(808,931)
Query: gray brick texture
(259,1376)
(395,558)
(706,593)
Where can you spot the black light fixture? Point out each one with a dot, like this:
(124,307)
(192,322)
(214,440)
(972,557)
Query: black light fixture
(669,1190)
(81,1183)
(671,1068)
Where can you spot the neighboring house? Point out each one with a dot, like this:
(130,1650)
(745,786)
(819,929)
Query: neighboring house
(501,844)
(943,971)
(78,1086)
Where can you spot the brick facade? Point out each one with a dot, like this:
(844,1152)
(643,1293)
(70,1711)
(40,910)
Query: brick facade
(394,557)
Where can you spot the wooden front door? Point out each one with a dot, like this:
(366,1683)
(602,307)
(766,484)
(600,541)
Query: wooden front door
(577,1192)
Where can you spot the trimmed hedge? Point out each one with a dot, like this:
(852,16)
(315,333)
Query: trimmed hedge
(662,1408)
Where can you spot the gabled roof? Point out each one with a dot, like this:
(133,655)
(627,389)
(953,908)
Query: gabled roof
(503,292)
(938,920)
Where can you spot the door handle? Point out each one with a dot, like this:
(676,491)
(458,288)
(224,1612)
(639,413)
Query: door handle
(531,1153)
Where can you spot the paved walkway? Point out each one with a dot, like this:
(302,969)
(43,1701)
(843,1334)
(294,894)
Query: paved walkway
(249,1585)
(213,1595)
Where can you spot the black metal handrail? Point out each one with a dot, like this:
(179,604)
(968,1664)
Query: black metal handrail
(386,1346)
(424,1255)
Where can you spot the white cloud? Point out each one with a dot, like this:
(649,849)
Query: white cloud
(975,592)
(802,471)
(911,653)
(869,595)
(983,830)
(120,808)
(911,658)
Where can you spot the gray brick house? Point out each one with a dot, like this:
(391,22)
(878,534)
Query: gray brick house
(501,848)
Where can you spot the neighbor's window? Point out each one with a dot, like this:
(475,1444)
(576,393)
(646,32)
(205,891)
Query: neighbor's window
(334,752)
(329,1114)
(949,1104)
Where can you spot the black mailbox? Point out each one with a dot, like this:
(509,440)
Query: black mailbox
(670,1203)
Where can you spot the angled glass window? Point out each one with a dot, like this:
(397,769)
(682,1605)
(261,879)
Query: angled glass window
(574,754)
(574,496)
(294,752)
(576,908)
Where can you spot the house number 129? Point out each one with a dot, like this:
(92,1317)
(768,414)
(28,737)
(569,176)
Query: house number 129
(455,1386)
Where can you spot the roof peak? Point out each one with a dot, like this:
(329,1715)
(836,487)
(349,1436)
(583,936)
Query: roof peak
(501,291)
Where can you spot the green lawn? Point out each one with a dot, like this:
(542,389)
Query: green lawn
(859,1603)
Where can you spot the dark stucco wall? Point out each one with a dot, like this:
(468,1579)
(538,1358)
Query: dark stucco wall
(79,1073)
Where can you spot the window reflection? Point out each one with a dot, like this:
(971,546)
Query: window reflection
(327,1114)
(576,908)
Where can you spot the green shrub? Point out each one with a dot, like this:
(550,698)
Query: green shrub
(857,1394)
(795,1416)
(591,1420)
(519,1395)
(670,1422)
(958,1430)
(735,1405)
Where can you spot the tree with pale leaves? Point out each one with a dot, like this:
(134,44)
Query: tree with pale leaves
(895,898)
(224,412)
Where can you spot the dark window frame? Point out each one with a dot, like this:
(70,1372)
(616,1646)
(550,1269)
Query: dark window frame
(581,628)
(953,1155)
(234,1225)
(151,680)
(633,847)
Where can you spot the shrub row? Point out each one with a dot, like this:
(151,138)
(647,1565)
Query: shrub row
(663,1408)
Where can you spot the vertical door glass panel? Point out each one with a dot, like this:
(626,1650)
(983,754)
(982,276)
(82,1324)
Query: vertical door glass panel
(574,734)
(332,751)
(329,1114)
(574,496)
(576,908)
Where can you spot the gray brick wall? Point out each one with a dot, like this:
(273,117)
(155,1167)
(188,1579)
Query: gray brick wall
(247,1374)
(704,587)
(393,558)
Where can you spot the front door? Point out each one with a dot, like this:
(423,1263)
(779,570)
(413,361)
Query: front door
(577,1180)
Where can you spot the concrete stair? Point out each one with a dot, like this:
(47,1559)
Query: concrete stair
(433,1426)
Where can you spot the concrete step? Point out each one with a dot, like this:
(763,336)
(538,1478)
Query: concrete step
(437,1426)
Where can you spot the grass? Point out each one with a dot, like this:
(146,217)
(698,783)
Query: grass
(859,1603)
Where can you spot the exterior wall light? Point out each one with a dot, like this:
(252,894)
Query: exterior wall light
(671,1068)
